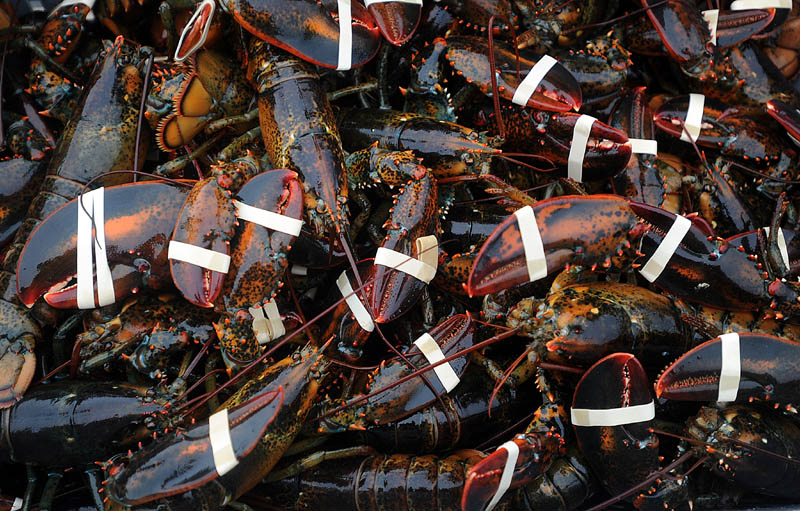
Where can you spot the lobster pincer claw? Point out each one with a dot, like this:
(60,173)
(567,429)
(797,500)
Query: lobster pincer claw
(449,337)
(409,255)
(711,123)
(138,219)
(682,28)
(735,367)
(151,474)
(611,412)
(397,20)
(556,91)
(607,224)
(199,250)
(258,263)
(787,116)
(484,478)
(310,29)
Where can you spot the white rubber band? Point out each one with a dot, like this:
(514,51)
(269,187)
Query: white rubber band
(512,449)
(577,151)
(91,252)
(784,250)
(712,18)
(694,117)
(589,417)
(528,84)
(199,256)
(268,219)
(658,261)
(430,348)
(743,5)
(531,243)
(345,36)
(367,3)
(105,284)
(423,268)
(85,270)
(274,316)
(643,146)
(355,304)
(188,28)
(269,327)
(17,504)
(219,434)
(731,371)
(299,270)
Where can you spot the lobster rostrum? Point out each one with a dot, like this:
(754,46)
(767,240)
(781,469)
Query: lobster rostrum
(108,109)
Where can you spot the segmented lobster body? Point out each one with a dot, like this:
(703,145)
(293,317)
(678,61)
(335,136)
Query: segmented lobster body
(82,421)
(300,134)
(406,482)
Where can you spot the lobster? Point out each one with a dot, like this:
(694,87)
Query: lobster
(108,109)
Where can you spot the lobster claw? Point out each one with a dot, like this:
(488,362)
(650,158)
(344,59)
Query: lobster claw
(697,375)
(138,218)
(453,336)
(151,474)
(735,27)
(611,412)
(606,222)
(258,261)
(696,239)
(483,478)
(720,127)
(308,29)
(206,221)
(682,28)
(607,149)
(557,91)
(397,20)
(787,116)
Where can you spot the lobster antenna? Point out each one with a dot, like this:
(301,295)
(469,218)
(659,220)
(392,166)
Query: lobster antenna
(763,175)
(148,71)
(495,93)
(713,448)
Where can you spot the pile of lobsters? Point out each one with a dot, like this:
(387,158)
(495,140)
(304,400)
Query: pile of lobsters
(399,254)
